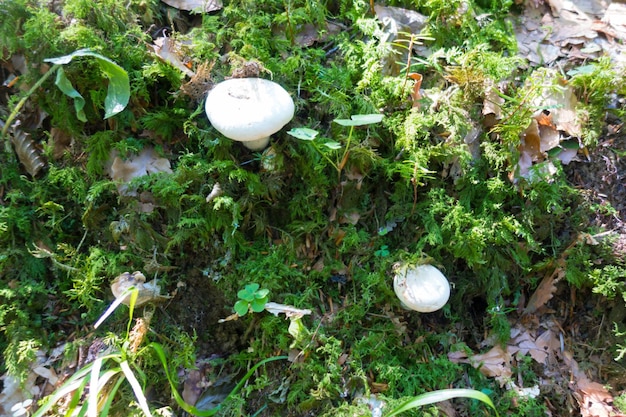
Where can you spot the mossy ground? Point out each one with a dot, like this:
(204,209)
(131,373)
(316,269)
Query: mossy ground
(319,227)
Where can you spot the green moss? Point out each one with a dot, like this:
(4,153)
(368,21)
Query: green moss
(318,227)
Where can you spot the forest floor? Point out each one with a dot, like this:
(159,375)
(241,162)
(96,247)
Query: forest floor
(485,139)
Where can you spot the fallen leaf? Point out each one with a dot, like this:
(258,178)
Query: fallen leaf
(201,6)
(169,51)
(494,363)
(287,310)
(545,291)
(594,400)
(493,100)
(123,171)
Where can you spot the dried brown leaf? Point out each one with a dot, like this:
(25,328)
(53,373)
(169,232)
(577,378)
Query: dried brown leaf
(169,51)
(493,363)
(492,104)
(123,171)
(594,400)
(545,291)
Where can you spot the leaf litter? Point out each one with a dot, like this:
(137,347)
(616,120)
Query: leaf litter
(550,31)
(537,334)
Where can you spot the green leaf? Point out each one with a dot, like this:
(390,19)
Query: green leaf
(137,389)
(247,293)
(262,293)
(258,305)
(333,145)
(118,93)
(360,120)
(303,133)
(441,395)
(190,408)
(68,89)
(241,307)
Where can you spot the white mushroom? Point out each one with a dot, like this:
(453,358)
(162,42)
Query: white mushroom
(148,291)
(421,288)
(249,110)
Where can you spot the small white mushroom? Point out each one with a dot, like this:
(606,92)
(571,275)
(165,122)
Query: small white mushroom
(421,288)
(148,291)
(249,110)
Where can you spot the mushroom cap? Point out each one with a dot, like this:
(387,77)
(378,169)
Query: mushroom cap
(248,109)
(421,288)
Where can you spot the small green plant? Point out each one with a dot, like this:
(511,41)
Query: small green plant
(97,383)
(118,93)
(105,375)
(251,298)
(382,252)
(307,134)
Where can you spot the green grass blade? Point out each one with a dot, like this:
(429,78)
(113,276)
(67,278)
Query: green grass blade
(191,409)
(107,404)
(143,403)
(92,408)
(72,384)
(442,395)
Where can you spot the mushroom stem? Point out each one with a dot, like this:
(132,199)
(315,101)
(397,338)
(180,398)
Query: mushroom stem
(257,144)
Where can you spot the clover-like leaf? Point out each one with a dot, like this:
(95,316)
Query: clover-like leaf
(241,307)
(258,304)
(333,145)
(262,293)
(303,133)
(247,293)
(360,120)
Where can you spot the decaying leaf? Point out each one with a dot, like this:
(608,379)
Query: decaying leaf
(287,310)
(493,101)
(495,363)
(169,51)
(17,396)
(399,27)
(557,29)
(524,342)
(554,123)
(545,291)
(61,142)
(593,398)
(200,6)
(558,100)
(123,171)
(26,150)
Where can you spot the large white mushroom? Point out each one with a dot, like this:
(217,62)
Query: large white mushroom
(421,288)
(249,110)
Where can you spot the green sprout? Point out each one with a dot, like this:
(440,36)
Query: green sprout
(382,252)
(251,298)
(304,133)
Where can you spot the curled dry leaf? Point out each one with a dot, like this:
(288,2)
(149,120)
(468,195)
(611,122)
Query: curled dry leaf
(549,128)
(26,150)
(495,363)
(593,398)
(199,83)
